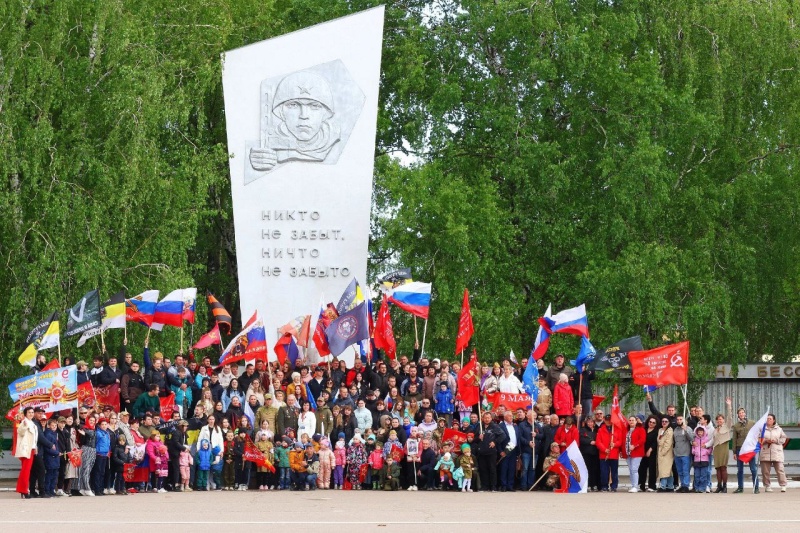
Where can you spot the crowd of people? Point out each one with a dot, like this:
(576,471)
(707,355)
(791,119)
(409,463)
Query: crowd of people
(378,426)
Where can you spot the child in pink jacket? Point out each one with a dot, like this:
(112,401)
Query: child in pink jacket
(327,462)
(341,459)
(185,461)
(701,454)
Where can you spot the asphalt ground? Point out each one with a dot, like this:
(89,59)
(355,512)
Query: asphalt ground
(355,511)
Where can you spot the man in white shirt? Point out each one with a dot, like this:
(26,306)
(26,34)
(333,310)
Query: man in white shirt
(508,382)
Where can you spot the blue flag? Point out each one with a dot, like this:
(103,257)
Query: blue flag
(585,355)
(530,380)
(350,328)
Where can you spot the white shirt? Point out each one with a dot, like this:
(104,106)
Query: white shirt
(512,435)
(509,384)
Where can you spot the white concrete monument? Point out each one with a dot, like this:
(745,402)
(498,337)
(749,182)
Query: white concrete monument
(301,114)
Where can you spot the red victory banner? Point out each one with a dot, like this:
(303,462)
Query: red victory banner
(75,457)
(468,381)
(107,396)
(86,395)
(384,333)
(508,400)
(666,365)
(465,327)
(254,455)
(397,453)
(456,437)
(134,474)
(167,406)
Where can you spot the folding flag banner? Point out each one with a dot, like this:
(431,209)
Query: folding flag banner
(169,311)
(254,455)
(615,357)
(141,308)
(285,349)
(384,332)
(189,301)
(222,317)
(585,355)
(112,313)
(468,381)
(465,327)
(212,337)
(530,379)
(250,343)
(84,315)
(107,396)
(752,443)
(414,298)
(542,342)
(571,470)
(456,437)
(43,336)
(167,406)
(351,297)
(392,280)
(570,321)
(666,365)
(52,390)
(508,400)
(350,328)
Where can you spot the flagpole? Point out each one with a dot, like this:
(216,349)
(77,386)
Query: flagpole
(580,387)
(102,340)
(181,350)
(147,337)
(462,358)
(126,332)
(59,351)
(416,333)
(424,333)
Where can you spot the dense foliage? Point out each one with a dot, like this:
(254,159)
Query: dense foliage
(635,156)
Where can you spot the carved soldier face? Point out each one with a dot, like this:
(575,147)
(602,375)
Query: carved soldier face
(304,117)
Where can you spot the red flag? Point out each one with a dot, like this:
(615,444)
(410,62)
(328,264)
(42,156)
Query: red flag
(469,381)
(282,346)
(667,365)
(86,394)
(107,396)
(50,366)
(254,455)
(167,406)
(133,474)
(456,437)
(597,400)
(305,332)
(252,319)
(397,452)
(617,418)
(75,457)
(326,316)
(465,327)
(508,400)
(212,337)
(384,333)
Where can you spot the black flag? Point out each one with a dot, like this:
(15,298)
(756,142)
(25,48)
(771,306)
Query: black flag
(615,358)
(84,315)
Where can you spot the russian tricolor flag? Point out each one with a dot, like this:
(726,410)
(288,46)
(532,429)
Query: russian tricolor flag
(542,342)
(252,340)
(571,470)
(169,311)
(571,321)
(414,298)
(752,443)
(141,308)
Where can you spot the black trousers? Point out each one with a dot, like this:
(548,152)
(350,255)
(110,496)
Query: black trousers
(37,474)
(487,466)
(648,477)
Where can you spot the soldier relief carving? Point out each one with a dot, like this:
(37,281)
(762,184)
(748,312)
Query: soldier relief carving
(305,117)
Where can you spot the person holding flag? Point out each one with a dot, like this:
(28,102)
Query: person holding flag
(740,429)
(772,440)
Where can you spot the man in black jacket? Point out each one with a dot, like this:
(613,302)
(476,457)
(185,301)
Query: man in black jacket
(37,469)
(490,443)
(110,375)
(131,386)
(175,445)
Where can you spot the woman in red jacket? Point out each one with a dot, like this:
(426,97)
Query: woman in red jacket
(563,401)
(633,450)
(567,434)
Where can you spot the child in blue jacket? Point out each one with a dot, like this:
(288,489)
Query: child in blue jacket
(52,462)
(203,458)
(445,403)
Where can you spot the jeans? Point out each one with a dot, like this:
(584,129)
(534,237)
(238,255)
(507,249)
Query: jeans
(701,478)
(666,483)
(740,470)
(526,476)
(682,464)
(609,466)
(50,481)
(99,474)
(284,480)
(633,467)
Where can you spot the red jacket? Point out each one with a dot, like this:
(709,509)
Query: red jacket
(637,443)
(568,437)
(603,442)
(563,401)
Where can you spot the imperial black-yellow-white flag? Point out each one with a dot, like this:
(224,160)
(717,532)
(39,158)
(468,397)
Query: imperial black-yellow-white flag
(43,336)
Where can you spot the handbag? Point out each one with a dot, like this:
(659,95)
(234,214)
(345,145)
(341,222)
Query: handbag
(700,464)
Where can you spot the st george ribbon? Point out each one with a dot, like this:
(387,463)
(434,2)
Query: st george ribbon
(301,113)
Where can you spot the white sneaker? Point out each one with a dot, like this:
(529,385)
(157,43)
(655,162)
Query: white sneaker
(162,491)
(89,493)
(783,489)
(708,490)
(768,489)
(112,491)
(633,489)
